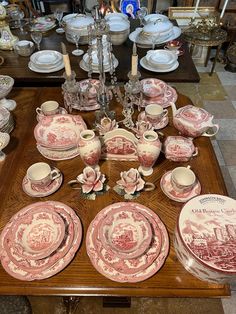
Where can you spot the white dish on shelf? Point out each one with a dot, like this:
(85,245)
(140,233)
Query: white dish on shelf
(144,63)
(84,66)
(46,58)
(34,68)
(134,37)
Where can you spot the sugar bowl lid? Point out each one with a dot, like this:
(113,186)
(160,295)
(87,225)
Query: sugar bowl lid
(207,228)
(158,26)
(79,21)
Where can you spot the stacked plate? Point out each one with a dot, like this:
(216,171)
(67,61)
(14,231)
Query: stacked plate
(160,60)
(127,242)
(158,92)
(6,121)
(46,61)
(205,238)
(40,240)
(144,40)
(57,136)
(85,62)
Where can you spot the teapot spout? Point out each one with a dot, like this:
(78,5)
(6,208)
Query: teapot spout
(173,108)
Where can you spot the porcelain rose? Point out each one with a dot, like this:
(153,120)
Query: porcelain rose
(131,181)
(106,125)
(91,180)
(141,127)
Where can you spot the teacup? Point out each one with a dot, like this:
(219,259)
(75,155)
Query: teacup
(155,113)
(48,108)
(183,179)
(174,44)
(41,174)
(24,48)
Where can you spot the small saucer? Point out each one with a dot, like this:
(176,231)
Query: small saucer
(61,111)
(34,191)
(168,190)
(157,126)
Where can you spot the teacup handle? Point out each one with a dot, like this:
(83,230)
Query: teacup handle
(195,152)
(55,174)
(72,184)
(165,113)
(216,126)
(149,186)
(39,110)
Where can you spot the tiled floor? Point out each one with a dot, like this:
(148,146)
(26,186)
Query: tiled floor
(225,145)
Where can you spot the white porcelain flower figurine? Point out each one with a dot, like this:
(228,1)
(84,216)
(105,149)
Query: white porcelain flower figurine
(131,181)
(91,180)
(106,125)
(141,127)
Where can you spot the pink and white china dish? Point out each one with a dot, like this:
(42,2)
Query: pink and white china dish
(59,131)
(179,148)
(158,92)
(153,87)
(57,136)
(157,126)
(38,234)
(193,121)
(33,230)
(204,238)
(37,191)
(58,154)
(178,196)
(108,263)
(128,233)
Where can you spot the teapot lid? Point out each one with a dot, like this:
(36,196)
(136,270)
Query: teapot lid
(194,114)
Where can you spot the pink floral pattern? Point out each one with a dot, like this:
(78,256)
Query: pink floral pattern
(91,180)
(131,181)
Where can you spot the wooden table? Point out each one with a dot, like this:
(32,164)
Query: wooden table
(80,277)
(17,66)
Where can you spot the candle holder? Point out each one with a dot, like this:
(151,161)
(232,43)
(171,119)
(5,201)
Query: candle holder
(70,90)
(133,96)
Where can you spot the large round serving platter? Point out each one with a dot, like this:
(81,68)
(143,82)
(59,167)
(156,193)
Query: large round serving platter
(110,271)
(130,265)
(56,154)
(43,24)
(40,269)
(144,63)
(142,43)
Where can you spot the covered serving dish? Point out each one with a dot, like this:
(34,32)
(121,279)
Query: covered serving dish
(77,24)
(179,148)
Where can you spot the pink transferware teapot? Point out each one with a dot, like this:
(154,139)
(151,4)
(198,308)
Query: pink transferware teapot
(193,121)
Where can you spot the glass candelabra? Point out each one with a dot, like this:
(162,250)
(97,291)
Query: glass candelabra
(133,96)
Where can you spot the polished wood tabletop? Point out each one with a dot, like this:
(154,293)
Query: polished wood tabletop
(17,66)
(80,277)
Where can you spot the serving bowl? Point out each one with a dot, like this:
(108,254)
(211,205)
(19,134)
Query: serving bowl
(161,58)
